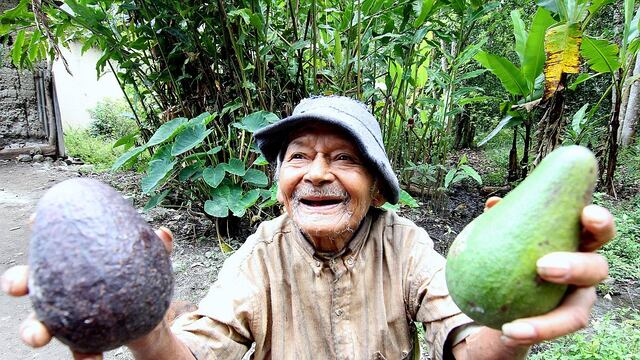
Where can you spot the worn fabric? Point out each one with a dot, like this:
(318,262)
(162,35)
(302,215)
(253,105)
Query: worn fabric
(294,303)
(342,112)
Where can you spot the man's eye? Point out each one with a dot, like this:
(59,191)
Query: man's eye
(345,157)
(296,156)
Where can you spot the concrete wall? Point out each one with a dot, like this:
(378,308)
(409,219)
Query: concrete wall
(81,91)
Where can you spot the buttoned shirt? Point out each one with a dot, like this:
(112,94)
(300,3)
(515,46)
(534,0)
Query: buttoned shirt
(294,303)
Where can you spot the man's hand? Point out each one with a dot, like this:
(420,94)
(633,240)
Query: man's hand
(581,270)
(33,332)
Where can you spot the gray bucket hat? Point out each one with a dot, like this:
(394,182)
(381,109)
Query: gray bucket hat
(350,115)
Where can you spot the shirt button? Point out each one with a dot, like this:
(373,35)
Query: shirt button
(318,264)
(339,312)
(350,261)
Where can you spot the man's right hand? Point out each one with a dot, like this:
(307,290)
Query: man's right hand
(34,333)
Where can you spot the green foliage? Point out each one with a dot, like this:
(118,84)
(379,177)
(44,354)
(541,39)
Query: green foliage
(91,149)
(188,161)
(461,172)
(614,337)
(111,118)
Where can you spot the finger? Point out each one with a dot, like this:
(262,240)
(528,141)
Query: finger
(32,219)
(582,269)
(34,333)
(14,280)
(570,316)
(85,356)
(491,202)
(598,227)
(167,238)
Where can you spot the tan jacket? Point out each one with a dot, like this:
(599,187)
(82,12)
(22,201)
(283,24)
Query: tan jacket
(293,303)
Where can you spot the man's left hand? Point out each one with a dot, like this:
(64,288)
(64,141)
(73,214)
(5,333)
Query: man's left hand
(581,270)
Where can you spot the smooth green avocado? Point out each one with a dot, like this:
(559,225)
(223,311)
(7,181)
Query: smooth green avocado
(99,275)
(491,266)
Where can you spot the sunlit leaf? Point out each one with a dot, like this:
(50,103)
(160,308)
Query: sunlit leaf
(422,9)
(601,55)
(16,52)
(166,131)
(562,46)
(534,55)
(256,121)
(520,34)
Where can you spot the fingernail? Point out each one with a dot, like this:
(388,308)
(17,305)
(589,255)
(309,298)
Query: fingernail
(553,266)
(519,330)
(596,215)
(28,335)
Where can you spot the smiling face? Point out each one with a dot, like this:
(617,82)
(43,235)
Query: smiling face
(325,186)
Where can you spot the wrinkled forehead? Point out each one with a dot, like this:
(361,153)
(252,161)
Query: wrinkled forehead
(317,130)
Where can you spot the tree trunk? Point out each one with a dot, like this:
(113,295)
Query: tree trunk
(524,163)
(630,110)
(551,124)
(465,131)
(612,144)
(513,158)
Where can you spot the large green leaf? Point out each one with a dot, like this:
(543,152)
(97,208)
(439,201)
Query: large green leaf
(422,9)
(509,75)
(214,176)
(217,207)
(507,121)
(551,5)
(235,167)
(249,198)
(189,171)
(520,34)
(562,46)
(596,5)
(128,157)
(234,201)
(157,171)
(190,137)
(166,131)
(16,52)
(601,55)
(256,121)
(256,177)
(534,55)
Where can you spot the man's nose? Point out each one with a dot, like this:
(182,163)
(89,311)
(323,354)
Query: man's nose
(319,171)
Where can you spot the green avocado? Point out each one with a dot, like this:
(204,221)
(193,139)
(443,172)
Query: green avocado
(99,275)
(491,266)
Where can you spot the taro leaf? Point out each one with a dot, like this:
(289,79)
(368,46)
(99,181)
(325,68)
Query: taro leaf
(601,55)
(234,201)
(472,173)
(186,173)
(214,176)
(261,160)
(250,198)
(271,195)
(128,158)
(158,170)
(231,107)
(190,137)
(162,152)
(201,155)
(407,199)
(562,46)
(235,167)
(155,200)
(256,121)
(203,118)
(217,207)
(509,75)
(166,131)
(256,177)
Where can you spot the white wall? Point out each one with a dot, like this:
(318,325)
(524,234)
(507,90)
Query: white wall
(83,90)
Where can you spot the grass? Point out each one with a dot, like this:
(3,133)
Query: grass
(93,150)
(614,337)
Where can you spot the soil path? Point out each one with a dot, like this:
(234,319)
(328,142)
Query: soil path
(21,186)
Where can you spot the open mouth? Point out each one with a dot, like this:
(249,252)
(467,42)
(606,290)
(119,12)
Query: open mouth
(316,202)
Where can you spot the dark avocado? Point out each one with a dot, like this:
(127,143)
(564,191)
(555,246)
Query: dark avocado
(99,275)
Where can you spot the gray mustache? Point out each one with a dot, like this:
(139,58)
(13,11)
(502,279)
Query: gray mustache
(325,191)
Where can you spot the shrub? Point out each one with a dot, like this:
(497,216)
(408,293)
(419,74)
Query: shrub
(112,118)
(91,149)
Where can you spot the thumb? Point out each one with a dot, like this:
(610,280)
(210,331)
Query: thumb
(167,238)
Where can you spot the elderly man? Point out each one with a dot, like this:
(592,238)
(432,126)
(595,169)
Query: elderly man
(335,277)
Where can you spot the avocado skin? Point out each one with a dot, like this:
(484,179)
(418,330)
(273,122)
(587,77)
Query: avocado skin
(99,275)
(491,266)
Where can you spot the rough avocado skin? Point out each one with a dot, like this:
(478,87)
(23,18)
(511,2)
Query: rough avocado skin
(99,275)
(491,266)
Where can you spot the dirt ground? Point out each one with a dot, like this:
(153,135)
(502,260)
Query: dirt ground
(196,257)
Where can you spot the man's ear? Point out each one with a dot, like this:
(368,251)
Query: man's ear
(378,199)
(280,195)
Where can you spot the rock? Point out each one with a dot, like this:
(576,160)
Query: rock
(35,151)
(48,159)
(25,158)
(86,168)
(38,158)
